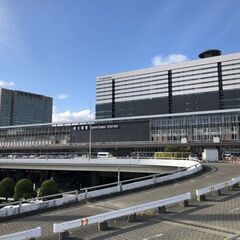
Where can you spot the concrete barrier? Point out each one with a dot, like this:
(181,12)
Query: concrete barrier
(24,235)
(24,206)
(236,181)
(201,193)
(62,228)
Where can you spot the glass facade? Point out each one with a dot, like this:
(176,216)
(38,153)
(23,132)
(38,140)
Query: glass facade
(220,128)
(19,108)
(34,136)
(208,128)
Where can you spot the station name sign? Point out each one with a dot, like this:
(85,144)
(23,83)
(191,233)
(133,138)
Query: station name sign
(109,126)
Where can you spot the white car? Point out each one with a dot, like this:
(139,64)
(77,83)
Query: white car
(193,157)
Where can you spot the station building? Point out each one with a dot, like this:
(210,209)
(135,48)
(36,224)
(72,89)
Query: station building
(194,103)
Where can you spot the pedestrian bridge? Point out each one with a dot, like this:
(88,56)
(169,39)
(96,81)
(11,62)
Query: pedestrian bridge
(144,165)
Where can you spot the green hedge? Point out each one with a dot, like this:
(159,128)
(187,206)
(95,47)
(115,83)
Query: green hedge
(7,187)
(48,187)
(24,189)
(174,155)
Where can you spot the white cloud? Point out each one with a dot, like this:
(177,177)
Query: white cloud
(171,58)
(62,96)
(4,84)
(68,116)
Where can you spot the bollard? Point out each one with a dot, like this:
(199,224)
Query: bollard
(64,235)
(185,203)
(102,226)
(120,187)
(202,198)
(132,218)
(76,195)
(86,193)
(162,210)
(235,186)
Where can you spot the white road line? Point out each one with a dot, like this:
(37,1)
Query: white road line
(235,209)
(152,237)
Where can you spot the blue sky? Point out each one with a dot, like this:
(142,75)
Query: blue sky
(58,47)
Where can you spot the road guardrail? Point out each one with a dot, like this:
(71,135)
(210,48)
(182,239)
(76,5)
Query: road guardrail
(24,235)
(201,193)
(62,228)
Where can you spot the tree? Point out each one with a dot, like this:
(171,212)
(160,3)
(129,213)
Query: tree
(48,187)
(7,187)
(24,189)
(171,149)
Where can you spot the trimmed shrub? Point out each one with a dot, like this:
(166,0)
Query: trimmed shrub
(48,187)
(24,189)
(7,187)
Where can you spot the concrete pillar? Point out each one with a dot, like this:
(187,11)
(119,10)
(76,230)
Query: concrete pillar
(202,198)
(132,218)
(64,235)
(102,226)
(162,210)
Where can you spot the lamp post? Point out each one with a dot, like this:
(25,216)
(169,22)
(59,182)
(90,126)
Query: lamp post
(90,133)
(90,139)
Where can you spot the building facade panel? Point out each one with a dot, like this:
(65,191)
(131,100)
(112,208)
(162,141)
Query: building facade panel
(196,102)
(142,107)
(112,132)
(232,99)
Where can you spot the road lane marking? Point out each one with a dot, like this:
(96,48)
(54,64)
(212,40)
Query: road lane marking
(235,209)
(153,237)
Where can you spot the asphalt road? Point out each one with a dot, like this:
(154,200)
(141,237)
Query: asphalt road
(217,218)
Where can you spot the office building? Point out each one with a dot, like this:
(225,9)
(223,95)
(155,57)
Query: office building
(18,108)
(195,103)
(206,84)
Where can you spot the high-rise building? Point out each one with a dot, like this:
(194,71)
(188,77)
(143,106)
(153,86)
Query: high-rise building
(206,84)
(19,108)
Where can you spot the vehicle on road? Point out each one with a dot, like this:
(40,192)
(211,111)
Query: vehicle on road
(104,155)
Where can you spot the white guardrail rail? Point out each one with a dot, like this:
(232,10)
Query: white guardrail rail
(200,193)
(24,235)
(103,190)
(65,226)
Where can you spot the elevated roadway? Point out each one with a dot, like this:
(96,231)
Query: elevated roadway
(215,216)
(101,164)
